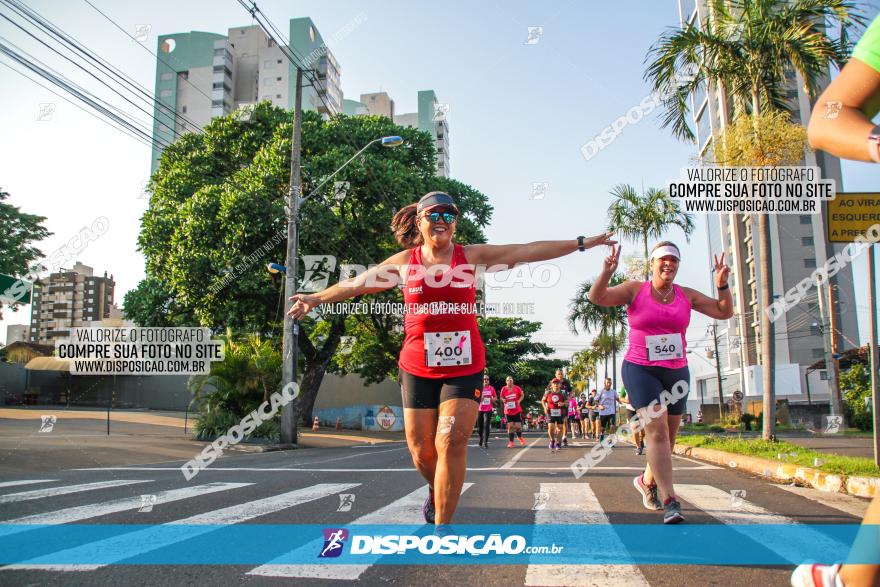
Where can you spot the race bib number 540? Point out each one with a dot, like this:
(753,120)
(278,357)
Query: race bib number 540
(446,349)
(662,347)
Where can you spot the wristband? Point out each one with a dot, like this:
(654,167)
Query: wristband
(581,244)
(723,287)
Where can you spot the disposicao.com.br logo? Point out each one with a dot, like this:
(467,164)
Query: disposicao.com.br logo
(451,544)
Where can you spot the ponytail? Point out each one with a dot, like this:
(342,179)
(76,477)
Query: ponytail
(405,227)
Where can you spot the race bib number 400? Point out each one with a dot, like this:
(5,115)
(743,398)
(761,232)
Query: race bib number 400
(663,347)
(447,349)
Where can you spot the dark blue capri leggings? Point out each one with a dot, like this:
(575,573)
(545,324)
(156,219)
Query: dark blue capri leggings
(644,383)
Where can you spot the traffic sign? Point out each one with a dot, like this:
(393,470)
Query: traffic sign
(851,214)
(14,290)
(738,395)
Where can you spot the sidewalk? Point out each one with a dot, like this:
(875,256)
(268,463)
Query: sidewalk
(177,420)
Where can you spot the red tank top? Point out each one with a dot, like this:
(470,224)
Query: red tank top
(455,288)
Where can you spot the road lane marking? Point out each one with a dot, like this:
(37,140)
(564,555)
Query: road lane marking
(394,470)
(406,510)
(509,464)
(575,503)
(717,503)
(64,490)
(77,514)
(848,504)
(131,544)
(26,482)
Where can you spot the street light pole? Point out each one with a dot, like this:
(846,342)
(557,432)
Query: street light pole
(718,373)
(290,348)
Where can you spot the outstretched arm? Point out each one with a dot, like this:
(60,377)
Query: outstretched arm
(379,278)
(841,120)
(510,255)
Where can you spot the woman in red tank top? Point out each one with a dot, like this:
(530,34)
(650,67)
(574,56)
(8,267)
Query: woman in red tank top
(443,357)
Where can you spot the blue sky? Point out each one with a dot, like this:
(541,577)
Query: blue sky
(518,114)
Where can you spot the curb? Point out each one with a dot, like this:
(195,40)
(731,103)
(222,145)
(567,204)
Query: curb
(859,486)
(257,448)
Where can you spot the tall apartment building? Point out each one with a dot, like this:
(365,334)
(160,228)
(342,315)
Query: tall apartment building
(69,298)
(202,75)
(798,245)
(431,118)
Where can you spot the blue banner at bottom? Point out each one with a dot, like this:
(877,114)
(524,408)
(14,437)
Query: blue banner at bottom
(95,545)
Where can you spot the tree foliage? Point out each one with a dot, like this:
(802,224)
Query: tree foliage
(18,255)
(769,139)
(217,216)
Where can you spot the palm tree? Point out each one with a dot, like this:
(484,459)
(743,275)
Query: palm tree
(746,48)
(650,215)
(607,322)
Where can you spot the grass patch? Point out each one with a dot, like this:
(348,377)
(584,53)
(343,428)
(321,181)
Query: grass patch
(791,453)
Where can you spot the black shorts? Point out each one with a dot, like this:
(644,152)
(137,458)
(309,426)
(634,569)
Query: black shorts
(427,394)
(557,419)
(514,418)
(606,420)
(644,383)
(593,416)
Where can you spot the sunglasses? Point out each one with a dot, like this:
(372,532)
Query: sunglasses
(434,217)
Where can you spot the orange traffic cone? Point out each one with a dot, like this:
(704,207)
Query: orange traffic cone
(339,423)
(315,423)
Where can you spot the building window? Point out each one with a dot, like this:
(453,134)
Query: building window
(277,79)
(823,375)
(815,330)
(165,94)
(279,61)
(810,263)
(805,218)
(183,109)
(312,33)
(267,63)
(278,96)
(807,241)
(166,77)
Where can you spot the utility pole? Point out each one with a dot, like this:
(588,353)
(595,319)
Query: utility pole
(835,361)
(875,355)
(836,406)
(290,349)
(718,373)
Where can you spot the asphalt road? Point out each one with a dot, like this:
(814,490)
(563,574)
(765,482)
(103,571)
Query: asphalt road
(268,488)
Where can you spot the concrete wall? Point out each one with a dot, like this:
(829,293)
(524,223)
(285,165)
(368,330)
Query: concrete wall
(356,403)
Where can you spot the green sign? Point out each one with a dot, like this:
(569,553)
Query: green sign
(14,290)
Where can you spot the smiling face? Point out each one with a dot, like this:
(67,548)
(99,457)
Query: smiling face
(439,233)
(664,269)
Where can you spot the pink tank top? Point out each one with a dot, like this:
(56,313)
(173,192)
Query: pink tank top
(658,324)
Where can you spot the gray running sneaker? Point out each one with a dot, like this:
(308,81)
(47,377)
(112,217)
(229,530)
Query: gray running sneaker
(649,494)
(673,511)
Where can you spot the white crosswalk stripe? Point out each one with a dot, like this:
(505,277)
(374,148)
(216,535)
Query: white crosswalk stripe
(575,503)
(66,489)
(718,504)
(86,512)
(406,510)
(131,544)
(26,482)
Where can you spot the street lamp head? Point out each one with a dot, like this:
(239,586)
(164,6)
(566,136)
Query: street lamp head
(391,141)
(275,268)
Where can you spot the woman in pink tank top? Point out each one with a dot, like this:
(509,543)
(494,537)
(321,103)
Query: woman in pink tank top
(655,371)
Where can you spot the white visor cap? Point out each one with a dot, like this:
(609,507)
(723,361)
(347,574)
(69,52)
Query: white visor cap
(665,250)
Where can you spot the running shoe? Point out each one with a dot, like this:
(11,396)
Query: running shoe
(640,451)
(811,575)
(510,444)
(552,446)
(673,511)
(565,442)
(649,494)
(522,441)
(428,507)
